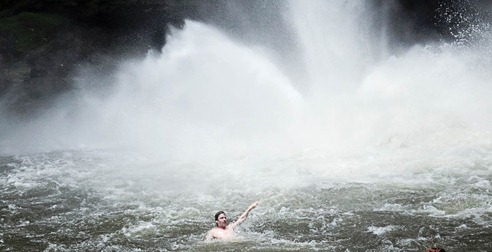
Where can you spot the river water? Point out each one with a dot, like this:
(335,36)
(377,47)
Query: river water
(347,145)
(101,201)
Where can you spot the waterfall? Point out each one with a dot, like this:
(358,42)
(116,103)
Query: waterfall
(210,96)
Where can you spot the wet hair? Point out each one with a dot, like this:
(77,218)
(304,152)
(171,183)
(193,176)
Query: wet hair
(435,249)
(217,216)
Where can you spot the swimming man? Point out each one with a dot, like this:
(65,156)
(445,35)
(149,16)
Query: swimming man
(224,231)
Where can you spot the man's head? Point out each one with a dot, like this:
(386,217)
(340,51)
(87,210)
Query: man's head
(220,219)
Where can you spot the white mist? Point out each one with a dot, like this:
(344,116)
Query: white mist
(213,101)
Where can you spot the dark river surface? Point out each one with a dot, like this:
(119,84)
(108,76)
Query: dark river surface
(94,201)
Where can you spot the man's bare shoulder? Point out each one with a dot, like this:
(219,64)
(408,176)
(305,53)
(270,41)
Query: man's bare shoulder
(220,233)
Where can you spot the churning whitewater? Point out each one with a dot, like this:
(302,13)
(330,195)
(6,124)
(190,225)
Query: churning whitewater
(347,145)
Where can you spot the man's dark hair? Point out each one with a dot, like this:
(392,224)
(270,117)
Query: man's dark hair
(217,216)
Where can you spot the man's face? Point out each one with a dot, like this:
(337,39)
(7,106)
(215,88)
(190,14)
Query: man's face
(221,221)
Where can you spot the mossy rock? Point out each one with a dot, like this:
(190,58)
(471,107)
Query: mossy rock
(27,31)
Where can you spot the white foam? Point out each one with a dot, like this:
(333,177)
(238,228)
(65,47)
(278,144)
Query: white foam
(382,230)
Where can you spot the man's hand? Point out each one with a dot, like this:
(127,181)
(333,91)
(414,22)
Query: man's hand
(253,205)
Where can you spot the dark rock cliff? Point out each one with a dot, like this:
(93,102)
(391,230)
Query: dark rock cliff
(43,42)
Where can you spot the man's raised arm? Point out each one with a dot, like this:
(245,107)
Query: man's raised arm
(244,215)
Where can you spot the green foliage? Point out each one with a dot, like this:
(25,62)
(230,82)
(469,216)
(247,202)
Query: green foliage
(26,25)
(27,31)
